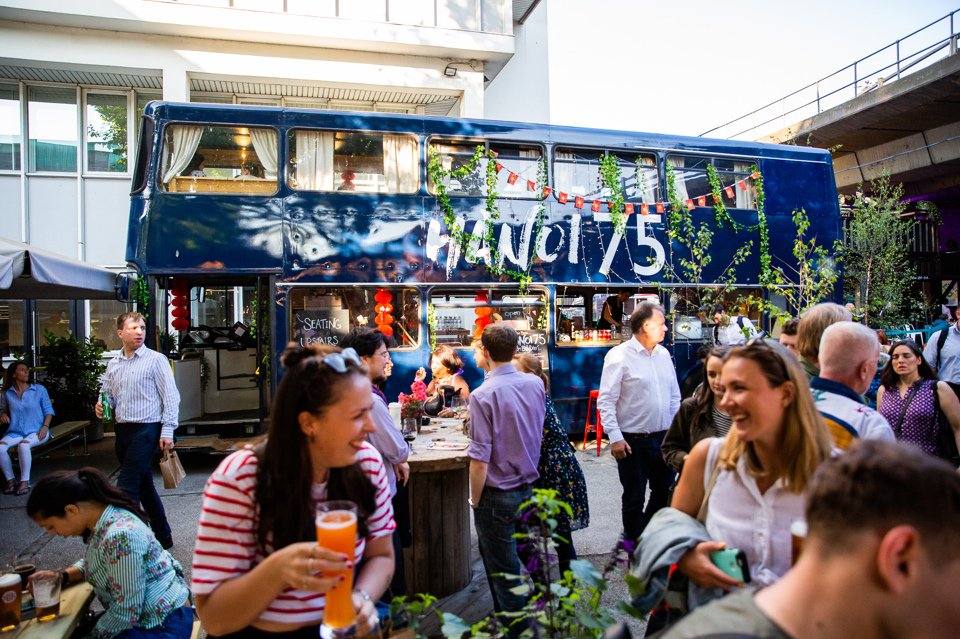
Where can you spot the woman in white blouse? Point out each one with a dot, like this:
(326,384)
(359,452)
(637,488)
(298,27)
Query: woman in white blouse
(776,443)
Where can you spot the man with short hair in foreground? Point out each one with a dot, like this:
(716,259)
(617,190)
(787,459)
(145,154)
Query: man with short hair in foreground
(881,557)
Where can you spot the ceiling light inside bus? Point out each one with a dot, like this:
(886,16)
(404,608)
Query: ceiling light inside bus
(242,140)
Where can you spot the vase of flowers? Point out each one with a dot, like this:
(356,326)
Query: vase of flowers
(411,406)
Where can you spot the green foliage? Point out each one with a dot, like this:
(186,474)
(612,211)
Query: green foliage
(612,178)
(141,295)
(471,243)
(72,375)
(878,270)
(433,325)
(690,253)
(814,278)
(565,608)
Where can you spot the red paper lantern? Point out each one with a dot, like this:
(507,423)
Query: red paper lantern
(383,296)
(386,329)
(181,324)
(384,308)
(180,312)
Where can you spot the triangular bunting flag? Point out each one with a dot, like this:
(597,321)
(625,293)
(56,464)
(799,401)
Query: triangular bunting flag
(742,184)
(531,185)
(499,167)
(645,209)
(660,207)
(546,192)
(755,175)
(628,208)
(729,191)
(689,204)
(512,178)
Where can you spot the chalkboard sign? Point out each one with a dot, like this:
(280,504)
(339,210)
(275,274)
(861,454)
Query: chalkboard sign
(513,314)
(531,341)
(320,326)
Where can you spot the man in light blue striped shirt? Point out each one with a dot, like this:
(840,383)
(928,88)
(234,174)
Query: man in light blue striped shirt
(139,385)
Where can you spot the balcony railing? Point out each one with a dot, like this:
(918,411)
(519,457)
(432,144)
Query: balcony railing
(907,55)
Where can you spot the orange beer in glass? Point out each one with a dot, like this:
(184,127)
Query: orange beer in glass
(337,531)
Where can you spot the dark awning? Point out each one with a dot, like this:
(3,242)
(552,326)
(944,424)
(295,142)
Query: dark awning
(27,272)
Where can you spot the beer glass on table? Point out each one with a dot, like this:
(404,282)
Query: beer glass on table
(10,599)
(45,587)
(337,531)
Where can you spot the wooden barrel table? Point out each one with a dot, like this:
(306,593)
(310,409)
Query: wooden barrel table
(438,562)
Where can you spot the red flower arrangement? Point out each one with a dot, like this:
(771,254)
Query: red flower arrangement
(412,405)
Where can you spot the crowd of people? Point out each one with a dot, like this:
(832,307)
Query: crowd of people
(777,434)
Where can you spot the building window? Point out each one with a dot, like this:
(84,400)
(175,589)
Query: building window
(220,159)
(52,316)
(354,161)
(11,329)
(52,122)
(460,312)
(106,132)
(577,173)
(326,315)
(690,173)
(9,127)
(520,164)
(103,322)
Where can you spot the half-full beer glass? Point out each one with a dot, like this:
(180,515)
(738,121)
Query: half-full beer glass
(337,531)
(45,586)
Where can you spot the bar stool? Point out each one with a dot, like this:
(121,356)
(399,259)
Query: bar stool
(595,427)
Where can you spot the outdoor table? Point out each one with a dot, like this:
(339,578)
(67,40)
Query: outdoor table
(74,602)
(439,560)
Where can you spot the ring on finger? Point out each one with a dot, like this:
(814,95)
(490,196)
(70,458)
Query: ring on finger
(310,565)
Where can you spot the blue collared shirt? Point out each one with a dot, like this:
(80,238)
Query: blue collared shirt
(948,365)
(28,412)
(142,390)
(506,426)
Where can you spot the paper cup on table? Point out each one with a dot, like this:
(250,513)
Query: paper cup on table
(394,408)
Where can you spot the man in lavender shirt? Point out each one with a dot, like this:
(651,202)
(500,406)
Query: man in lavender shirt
(506,423)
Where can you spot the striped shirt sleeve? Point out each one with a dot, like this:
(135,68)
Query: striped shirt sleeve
(123,552)
(226,535)
(380,523)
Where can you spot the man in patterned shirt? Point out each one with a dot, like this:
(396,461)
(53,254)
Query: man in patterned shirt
(139,385)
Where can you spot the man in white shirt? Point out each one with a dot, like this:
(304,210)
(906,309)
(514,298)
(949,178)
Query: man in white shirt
(849,353)
(731,330)
(639,395)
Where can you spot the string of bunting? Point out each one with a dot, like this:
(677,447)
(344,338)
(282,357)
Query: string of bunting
(629,208)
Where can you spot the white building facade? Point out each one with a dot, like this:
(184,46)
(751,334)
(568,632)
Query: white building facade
(74,77)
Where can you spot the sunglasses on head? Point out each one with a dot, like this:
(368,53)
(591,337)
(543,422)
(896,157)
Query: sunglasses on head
(338,361)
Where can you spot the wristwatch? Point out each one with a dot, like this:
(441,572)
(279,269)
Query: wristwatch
(470,502)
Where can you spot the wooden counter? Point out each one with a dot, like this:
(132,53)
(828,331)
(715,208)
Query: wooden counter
(245,185)
(438,562)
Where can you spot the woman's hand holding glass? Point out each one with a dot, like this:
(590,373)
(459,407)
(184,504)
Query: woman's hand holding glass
(696,565)
(303,566)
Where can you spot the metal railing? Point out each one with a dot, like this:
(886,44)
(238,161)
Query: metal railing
(890,63)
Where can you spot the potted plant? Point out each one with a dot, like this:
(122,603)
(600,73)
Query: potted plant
(71,374)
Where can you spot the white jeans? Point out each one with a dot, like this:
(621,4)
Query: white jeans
(23,444)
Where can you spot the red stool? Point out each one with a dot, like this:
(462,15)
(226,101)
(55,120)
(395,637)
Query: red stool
(595,427)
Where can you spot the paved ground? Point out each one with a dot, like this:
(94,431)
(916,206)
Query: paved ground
(22,540)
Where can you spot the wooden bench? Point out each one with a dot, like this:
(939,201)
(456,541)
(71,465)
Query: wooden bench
(65,434)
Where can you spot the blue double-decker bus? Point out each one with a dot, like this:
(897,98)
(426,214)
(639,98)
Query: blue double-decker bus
(253,226)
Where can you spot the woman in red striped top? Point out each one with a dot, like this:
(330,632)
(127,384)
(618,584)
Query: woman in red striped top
(257,568)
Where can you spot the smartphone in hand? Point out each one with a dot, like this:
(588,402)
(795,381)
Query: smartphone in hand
(732,562)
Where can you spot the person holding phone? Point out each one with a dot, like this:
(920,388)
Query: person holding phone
(753,480)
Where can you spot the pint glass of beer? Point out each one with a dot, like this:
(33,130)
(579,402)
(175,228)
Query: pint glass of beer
(337,531)
(10,595)
(45,586)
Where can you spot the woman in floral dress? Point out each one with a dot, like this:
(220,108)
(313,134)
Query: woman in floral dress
(559,468)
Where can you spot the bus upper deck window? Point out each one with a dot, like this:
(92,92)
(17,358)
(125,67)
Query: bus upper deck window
(691,179)
(354,161)
(577,172)
(219,159)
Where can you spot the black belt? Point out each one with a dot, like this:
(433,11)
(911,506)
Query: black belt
(659,433)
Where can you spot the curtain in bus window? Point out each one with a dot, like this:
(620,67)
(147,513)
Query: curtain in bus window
(265,144)
(182,145)
(646,180)
(744,198)
(314,160)
(678,164)
(400,163)
(565,174)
